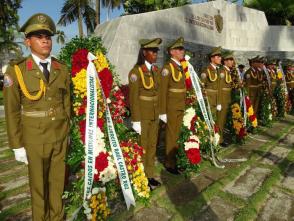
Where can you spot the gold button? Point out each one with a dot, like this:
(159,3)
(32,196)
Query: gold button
(53,118)
(49,98)
(38,73)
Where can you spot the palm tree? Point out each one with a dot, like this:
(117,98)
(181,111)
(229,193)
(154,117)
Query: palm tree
(80,10)
(97,12)
(277,12)
(110,5)
(60,37)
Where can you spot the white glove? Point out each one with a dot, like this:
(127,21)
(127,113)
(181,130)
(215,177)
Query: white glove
(219,107)
(137,127)
(163,117)
(20,155)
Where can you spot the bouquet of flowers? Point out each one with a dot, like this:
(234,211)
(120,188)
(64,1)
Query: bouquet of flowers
(106,186)
(280,95)
(194,138)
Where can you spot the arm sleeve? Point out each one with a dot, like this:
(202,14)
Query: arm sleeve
(134,96)
(164,79)
(67,97)
(12,105)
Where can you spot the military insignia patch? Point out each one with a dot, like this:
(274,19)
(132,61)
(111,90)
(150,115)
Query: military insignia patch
(7,82)
(203,75)
(164,72)
(41,18)
(133,78)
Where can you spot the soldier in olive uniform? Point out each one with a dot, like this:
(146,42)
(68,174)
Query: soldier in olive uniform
(37,111)
(253,78)
(289,75)
(271,65)
(172,100)
(144,97)
(217,82)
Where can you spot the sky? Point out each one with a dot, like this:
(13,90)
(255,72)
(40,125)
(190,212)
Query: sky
(53,8)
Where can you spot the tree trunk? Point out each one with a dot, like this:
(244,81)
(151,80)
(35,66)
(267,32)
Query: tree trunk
(80,23)
(108,12)
(97,12)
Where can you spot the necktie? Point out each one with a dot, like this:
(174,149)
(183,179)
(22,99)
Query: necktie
(45,70)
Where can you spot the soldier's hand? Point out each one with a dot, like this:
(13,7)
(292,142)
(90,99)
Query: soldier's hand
(21,155)
(137,127)
(163,117)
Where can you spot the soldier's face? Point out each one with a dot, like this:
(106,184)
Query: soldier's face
(151,55)
(40,45)
(217,59)
(229,62)
(178,53)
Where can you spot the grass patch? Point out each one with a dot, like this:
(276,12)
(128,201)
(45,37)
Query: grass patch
(15,209)
(256,201)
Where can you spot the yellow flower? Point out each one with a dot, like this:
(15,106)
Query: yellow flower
(250,111)
(101,62)
(254,123)
(280,75)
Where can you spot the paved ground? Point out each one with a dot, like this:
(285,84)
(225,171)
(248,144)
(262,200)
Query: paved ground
(262,188)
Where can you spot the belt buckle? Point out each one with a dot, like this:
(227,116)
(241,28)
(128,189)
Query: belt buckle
(52,112)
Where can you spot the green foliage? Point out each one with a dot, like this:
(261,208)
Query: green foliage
(92,44)
(73,10)
(277,12)
(9,24)
(141,6)
(279,94)
(265,110)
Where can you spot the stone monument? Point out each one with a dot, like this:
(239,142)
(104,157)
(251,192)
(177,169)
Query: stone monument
(204,25)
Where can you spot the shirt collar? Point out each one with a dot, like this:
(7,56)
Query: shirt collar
(214,66)
(148,65)
(177,62)
(228,69)
(38,60)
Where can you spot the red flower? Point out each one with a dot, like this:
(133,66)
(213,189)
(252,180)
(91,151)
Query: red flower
(216,128)
(193,121)
(188,83)
(79,61)
(106,80)
(242,132)
(248,102)
(252,118)
(82,126)
(101,161)
(193,155)
(100,123)
(82,110)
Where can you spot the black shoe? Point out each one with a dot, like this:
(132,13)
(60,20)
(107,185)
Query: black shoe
(173,171)
(153,182)
(224,144)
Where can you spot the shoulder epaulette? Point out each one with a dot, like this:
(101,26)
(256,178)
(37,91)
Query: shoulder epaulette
(16,61)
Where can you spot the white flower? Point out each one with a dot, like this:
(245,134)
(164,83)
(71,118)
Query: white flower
(95,191)
(89,216)
(87,211)
(108,101)
(116,88)
(192,144)
(216,139)
(189,114)
(219,107)
(85,205)
(100,142)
